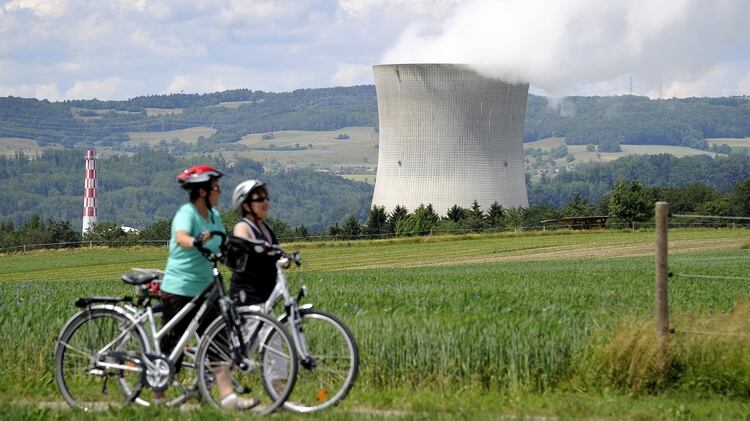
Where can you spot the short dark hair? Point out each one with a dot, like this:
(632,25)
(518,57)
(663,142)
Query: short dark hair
(195,191)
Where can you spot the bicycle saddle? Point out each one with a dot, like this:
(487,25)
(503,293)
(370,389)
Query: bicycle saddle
(140,277)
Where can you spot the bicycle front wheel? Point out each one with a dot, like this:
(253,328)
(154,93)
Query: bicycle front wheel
(95,346)
(329,358)
(270,363)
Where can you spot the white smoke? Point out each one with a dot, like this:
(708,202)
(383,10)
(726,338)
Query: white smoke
(560,46)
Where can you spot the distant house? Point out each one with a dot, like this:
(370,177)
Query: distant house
(129,230)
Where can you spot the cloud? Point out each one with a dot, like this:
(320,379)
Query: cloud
(46,9)
(111,87)
(215,78)
(412,7)
(42,91)
(561,46)
(167,45)
(352,74)
(722,79)
(255,10)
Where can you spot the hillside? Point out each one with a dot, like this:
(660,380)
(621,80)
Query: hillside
(220,121)
(141,189)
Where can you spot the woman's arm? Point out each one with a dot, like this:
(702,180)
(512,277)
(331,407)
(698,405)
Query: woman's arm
(185,240)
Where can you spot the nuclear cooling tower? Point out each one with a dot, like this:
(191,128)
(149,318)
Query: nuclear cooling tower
(448,136)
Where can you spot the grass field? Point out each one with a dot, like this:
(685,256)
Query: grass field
(366,178)
(477,326)
(10,145)
(582,155)
(190,135)
(152,112)
(327,151)
(733,142)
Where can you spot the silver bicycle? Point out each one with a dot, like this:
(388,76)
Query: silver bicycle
(105,340)
(328,353)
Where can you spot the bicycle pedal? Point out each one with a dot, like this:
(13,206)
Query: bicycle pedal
(96,372)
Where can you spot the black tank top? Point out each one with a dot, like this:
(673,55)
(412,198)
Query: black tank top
(255,284)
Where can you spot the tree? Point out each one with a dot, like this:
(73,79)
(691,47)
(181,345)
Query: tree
(608,145)
(496,215)
(301,232)
(105,231)
(456,213)
(475,218)
(630,202)
(420,222)
(62,232)
(740,198)
(160,230)
(376,221)
(351,228)
(578,206)
(399,213)
(334,231)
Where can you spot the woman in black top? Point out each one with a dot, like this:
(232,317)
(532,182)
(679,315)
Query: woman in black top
(254,284)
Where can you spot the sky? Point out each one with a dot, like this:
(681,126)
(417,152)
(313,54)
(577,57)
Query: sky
(119,49)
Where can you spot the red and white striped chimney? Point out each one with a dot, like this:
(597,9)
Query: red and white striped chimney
(89,191)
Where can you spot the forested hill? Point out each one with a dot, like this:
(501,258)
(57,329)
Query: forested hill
(595,180)
(581,120)
(139,190)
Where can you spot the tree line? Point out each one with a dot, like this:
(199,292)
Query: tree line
(627,203)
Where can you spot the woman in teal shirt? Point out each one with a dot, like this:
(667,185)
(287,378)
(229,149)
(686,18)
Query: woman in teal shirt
(188,272)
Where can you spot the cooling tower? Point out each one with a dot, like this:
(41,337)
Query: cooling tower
(448,136)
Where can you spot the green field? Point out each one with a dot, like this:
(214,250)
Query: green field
(477,326)
(733,142)
(9,146)
(190,135)
(365,178)
(582,155)
(360,150)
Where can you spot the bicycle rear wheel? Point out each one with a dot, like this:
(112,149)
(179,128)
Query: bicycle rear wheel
(91,340)
(270,357)
(329,370)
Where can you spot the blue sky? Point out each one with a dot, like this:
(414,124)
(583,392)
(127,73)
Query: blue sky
(117,49)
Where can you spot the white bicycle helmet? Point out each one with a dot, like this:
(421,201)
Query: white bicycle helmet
(242,191)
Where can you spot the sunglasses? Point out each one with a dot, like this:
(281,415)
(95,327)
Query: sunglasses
(260,199)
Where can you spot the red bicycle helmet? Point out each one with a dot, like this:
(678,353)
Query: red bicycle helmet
(197,174)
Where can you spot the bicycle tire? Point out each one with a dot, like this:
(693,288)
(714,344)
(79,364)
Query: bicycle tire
(78,350)
(272,353)
(336,354)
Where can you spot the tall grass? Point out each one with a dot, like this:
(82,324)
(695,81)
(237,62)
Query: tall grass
(516,325)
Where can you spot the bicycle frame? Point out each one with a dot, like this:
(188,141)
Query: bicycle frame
(281,293)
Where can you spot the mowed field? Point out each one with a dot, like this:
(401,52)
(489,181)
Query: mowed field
(359,150)
(10,145)
(475,326)
(582,155)
(190,135)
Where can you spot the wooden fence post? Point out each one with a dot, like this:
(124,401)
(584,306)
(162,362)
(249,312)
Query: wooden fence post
(661,291)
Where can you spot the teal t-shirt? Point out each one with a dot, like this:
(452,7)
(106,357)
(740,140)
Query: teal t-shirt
(188,272)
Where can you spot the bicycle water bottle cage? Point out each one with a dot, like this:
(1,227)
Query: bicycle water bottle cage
(87,301)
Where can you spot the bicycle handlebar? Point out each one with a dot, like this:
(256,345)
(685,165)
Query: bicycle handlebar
(208,253)
(293,256)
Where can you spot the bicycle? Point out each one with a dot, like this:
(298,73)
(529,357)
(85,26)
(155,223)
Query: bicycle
(328,352)
(105,340)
